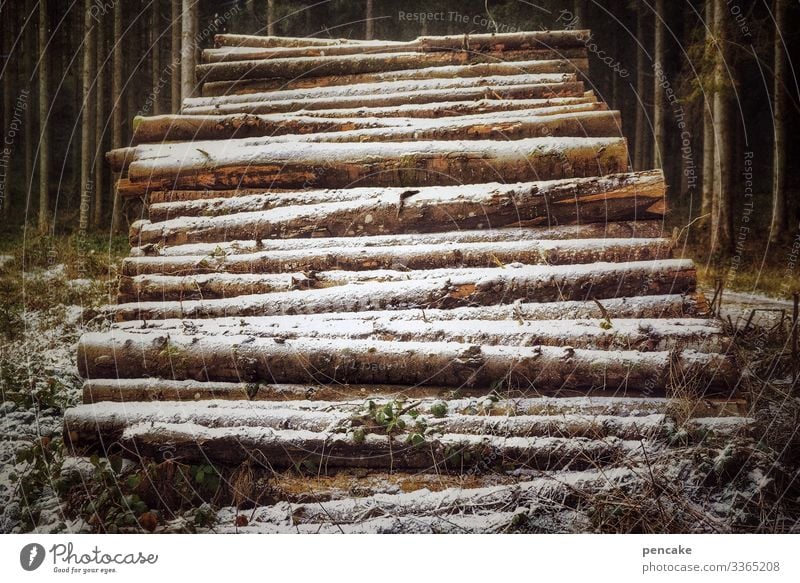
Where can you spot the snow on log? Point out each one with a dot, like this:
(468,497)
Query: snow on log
(426,96)
(188,128)
(240,358)
(495,43)
(325,66)
(406,257)
(231,446)
(106,420)
(435,289)
(585,200)
(243,86)
(610,230)
(646,335)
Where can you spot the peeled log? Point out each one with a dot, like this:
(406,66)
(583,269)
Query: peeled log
(407,257)
(291,68)
(608,198)
(246,40)
(192,128)
(244,358)
(424,96)
(304,165)
(244,86)
(472,287)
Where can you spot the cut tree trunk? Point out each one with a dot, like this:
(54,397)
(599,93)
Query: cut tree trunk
(461,288)
(188,128)
(610,230)
(243,358)
(417,256)
(244,40)
(609,198)
(242,163)
(245,86)
(325,66)
(425,96)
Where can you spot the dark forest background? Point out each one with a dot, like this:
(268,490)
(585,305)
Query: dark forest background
(59,70)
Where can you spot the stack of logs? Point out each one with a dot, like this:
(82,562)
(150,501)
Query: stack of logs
(396,257)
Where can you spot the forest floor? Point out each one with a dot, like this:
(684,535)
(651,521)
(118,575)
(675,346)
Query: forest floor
(48,297)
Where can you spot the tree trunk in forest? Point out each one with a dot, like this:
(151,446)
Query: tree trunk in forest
(28,74)
(9,74)
(660,105)
(779,222)
(189,24)
(155,56)
(724,129)
(44,106)
(642,125)
(116,115)
(99,121)
(369,21)
(271,17)
(707,204)
(87,116)
(579,13)
(175,47)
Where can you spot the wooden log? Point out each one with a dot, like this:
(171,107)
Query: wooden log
(287,449)
(245,40)
(303,360)
(423,96)
(237,163)
(608,198)
(475,287)
(462,108)
(611,230)
(325,66)
(539,40)
(244,86)
(646,335)
(105,420)
(406,257)
(353,398)
(170,195)
(191,130)
(383,88)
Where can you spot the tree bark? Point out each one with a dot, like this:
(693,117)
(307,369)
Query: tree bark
(189,17)
(99,122)
(708,119)
(660,105)
(117,104)
(155,55)
(471,287)
(324,66)
(175,47)
(369,22)
(244,40)
(779,223)
(8,74)
(44,105)
(245,86)
(271,17)
(304,165)
(722,223)
(87,116)
(30,51)
(642,119)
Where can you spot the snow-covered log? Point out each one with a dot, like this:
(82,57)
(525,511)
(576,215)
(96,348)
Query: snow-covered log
(584,200)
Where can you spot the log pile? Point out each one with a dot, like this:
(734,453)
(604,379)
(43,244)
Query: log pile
(391,257)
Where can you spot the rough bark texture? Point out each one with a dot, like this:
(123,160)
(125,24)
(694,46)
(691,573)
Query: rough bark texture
(44,106)
(779,224)
(188,47)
